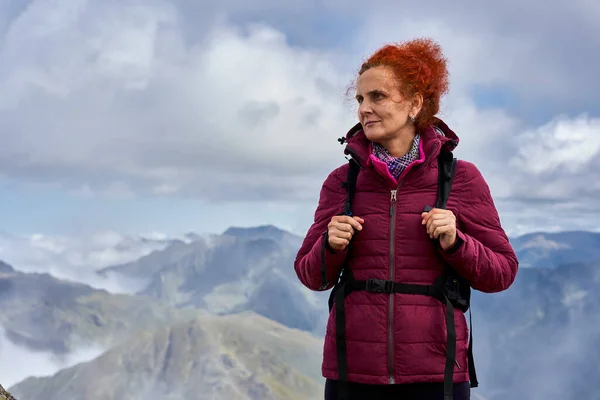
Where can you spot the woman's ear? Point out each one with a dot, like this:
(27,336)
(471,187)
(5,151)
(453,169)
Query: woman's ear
(416,104)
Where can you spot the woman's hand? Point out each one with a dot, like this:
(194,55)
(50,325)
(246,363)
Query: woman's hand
(341,229)
(440,224)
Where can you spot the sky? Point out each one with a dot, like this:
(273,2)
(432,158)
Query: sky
(167,117)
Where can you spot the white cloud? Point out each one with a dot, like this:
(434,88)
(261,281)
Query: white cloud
(77,258)
(522,216)
(18,363)
(127,104)
(484,139)
(558,160)
(562,144)
(554,161)
(509,44)
(481,57)
(115,99)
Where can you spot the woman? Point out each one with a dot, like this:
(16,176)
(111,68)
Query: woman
(395,339)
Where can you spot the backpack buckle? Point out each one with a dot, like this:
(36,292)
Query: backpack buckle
(379,286)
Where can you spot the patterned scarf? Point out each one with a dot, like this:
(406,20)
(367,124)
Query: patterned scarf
(397,164)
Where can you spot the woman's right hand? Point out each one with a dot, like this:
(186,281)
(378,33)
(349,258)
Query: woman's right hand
(341,228)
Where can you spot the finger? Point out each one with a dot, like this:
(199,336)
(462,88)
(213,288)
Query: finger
(341,219)
(337,241)
(359,220)
(426,217)
(448,221)
(435,221)
(342,233)
(351,221)
(439,221)
(442,230)
(343,227)
(431,211)
(429,214)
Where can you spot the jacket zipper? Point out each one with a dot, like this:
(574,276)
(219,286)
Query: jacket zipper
(393,198)
(392,275)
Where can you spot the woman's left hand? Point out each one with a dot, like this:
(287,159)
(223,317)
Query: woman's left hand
(440,224)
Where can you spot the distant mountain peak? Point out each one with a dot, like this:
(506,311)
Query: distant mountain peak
(262,230)
(192,237)
(6,268)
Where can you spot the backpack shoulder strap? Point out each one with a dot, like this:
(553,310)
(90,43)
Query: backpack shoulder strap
(446,170)
(350,184)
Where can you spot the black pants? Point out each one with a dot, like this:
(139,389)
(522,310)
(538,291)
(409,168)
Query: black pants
(412,391)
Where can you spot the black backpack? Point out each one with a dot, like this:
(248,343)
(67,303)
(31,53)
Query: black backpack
(450,288)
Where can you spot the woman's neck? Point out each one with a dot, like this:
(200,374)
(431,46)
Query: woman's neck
(401,143)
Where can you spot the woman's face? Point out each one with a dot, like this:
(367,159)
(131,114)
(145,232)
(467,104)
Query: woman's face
(383,111)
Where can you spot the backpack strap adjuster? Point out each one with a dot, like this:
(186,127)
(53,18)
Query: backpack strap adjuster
(379,286)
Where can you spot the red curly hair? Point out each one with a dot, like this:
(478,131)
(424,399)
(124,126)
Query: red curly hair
(420,67)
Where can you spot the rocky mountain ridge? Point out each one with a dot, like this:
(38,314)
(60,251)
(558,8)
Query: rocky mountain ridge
(235,357)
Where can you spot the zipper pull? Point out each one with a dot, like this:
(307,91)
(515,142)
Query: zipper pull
(393,196)
(457,364)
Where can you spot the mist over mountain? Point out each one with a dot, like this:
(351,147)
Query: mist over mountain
(541,338)
(549,250)
(55,322)
(237,357)
(45,313)
(76,258)
(242,269)
(537,340)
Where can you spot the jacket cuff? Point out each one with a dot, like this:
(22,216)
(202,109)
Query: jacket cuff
(332,257)
(460,241)
(330,261)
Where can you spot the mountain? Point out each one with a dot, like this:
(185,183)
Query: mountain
(549,250)
(45,313)
(5,268)
(540,339)
(244,269)
(157,259)
(218,356)
(281,299)
(242,356)
(537,340)
(252,269)
(265,232)
(4,395)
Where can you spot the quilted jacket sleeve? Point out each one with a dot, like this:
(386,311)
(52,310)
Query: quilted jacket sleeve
(482,253)
(316,264)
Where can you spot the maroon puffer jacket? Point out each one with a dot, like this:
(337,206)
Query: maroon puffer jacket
(402,339)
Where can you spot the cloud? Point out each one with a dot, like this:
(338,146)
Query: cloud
(559,160)
(128,104)
(527,164)
(542,55)
(562,144)
(18,363)
(521,216)
(123,100)
(76,258)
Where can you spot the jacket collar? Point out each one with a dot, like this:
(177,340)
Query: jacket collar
(434,137)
